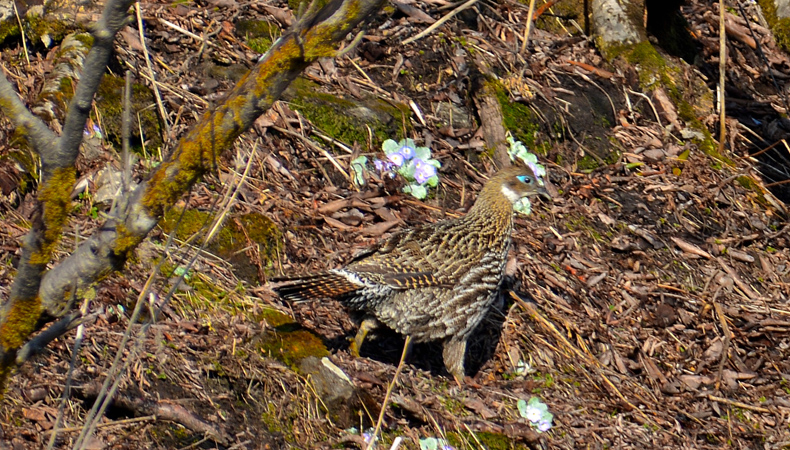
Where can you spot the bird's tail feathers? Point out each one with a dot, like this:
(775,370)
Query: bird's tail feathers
(314,286)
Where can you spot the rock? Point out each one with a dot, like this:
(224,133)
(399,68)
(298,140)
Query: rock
(335,388)
(107,185)
(452,114)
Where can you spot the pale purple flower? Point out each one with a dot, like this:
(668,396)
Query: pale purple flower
(423,171)
(544,425)
(396,158)
(382,166)
(407,152)
(535,169)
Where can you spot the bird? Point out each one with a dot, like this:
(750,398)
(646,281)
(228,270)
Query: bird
(433,282)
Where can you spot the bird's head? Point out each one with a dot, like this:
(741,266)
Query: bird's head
(518,181)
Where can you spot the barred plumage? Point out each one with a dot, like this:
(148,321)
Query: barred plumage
(433,282)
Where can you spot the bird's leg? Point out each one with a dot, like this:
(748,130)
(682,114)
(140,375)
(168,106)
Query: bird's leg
(453,354)
(368,323)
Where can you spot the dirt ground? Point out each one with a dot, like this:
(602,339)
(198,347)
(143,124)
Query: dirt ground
(650,295)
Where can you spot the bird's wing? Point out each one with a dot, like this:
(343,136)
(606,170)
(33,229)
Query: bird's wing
(400,262)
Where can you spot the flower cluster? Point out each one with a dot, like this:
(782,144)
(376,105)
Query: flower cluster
(433,443)
(519,150)
(404,158)
(536,412)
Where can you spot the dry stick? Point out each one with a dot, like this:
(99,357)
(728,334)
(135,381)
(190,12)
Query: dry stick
(726,344)
(406,346)
(439,22)
(126,125)
(22,32)
(188,33)
(658,119)
(722,66)
(738,404)
(159,105)
(529,26)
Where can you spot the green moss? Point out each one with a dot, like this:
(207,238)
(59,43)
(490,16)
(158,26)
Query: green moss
(20,320)
(273,317)
(489,441)
(85,38)
(567,10)
(9,29)
(54,196)
(259,34)
(297,5)
(520,121)
(109,102)
(260,45)
(36,27)
(232,238)
(345,120)
(779,26)
(587,163)
(453,405)
(290,344)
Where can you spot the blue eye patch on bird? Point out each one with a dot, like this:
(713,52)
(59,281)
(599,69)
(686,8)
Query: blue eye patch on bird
(525,179)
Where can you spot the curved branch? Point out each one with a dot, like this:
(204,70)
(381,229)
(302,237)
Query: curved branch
(21,313)
(108,248)
(30,126)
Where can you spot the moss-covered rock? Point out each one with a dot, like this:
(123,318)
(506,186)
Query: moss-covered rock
(230,241)
(109,102)
(347,119)
(691,96)
(490,441)
(290,344)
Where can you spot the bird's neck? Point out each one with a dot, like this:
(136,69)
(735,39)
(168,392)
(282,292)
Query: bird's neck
(492,207)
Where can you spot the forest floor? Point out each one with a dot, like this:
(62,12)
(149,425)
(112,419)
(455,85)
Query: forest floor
(652,291)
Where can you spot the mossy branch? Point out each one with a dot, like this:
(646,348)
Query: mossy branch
(312,37)
(22,312)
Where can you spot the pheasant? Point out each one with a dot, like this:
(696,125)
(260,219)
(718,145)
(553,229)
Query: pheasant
(433,282)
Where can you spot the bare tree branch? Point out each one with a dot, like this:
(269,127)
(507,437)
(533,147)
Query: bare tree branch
(33,128)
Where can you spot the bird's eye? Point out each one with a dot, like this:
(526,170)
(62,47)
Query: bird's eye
(525,179)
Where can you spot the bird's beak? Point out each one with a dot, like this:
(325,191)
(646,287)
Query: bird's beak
(543,192)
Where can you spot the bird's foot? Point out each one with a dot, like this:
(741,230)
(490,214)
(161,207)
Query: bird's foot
(369,323)
(354,346)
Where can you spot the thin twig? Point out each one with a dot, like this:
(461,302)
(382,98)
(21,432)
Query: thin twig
(722,66)
(22,32)
(530,13)
(188,33)
(159,105)
(738,404)
(658,119)
(439,22)
(406,346)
